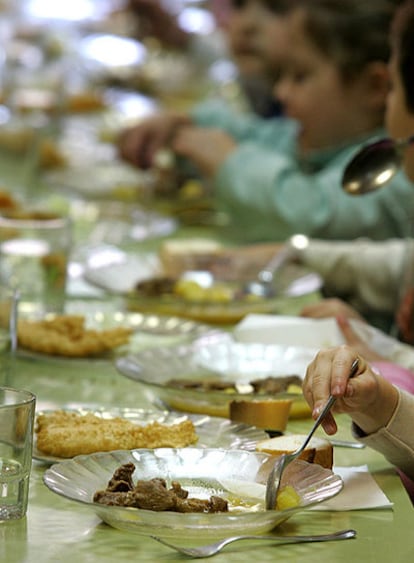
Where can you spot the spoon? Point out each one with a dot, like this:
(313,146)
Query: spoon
(374,165)
(263,285)
(275,476)
(213,548)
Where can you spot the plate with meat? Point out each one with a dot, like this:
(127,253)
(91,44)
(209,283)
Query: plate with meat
(205,376)
(188,492)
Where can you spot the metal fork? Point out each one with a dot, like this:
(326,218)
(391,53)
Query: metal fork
(275,476)
(214,548)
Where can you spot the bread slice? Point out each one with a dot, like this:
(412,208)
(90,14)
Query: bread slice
(180,255)
(319,450)
(270,414)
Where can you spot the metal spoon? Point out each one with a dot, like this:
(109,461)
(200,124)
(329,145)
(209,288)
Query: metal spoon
(275,476)
(263,286)
(214,548)
(374,165)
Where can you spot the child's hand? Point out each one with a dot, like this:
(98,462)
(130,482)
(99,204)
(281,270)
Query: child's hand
(139,145)
(206,148)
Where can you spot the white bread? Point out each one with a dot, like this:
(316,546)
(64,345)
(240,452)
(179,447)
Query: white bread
(270,414)
(319,450)
(180,255)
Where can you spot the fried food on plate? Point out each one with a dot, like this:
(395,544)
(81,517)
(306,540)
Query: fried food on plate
(66,335)
(66,434)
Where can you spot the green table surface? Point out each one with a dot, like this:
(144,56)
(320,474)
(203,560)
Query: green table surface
(59,530)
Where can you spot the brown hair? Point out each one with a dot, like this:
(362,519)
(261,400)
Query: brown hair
(403,43)
(351,32)
(276,6)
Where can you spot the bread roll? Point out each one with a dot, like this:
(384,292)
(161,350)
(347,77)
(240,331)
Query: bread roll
(319,450)
(180,255)
(270,414)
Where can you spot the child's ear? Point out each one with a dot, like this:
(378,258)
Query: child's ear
(377,84)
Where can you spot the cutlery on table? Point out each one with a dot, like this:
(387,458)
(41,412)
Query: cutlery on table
(214,548)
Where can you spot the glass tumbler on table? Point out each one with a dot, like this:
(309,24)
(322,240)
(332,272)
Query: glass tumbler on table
(8,331)
(17,411)
(34,250)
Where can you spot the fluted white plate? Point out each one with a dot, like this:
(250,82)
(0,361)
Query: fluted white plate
(148,330)
(214,357)
(211,431)
(203,472)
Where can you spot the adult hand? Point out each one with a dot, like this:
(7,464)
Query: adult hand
(206,147)
(330,308)
(139,145)
(357,343)
(368,398)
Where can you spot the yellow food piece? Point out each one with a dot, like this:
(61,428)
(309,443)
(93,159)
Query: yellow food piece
(66,434)
(192,291)
(66,335)
(287,498)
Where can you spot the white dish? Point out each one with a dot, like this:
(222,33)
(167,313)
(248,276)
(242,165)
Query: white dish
(123,274)
(213,357)
(211,431)
(128,266)
(203,472)
(148,331)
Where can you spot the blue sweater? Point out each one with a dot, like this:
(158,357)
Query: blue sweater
(270,193)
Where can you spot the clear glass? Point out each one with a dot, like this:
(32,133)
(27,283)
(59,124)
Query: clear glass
(34,250)
(17,411)
(8,331)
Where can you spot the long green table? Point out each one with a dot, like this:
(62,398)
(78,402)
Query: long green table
(58,530)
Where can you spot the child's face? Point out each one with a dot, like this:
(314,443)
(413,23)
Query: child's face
(399,119)
(330,111)
(253,51)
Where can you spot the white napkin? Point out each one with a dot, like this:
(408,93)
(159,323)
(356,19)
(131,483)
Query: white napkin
(309,333)
(360,491)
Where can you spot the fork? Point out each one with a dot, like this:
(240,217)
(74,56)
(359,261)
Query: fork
(275,475)
(214,548)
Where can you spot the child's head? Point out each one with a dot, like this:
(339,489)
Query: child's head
(400,103)
(251,50)
(335,78)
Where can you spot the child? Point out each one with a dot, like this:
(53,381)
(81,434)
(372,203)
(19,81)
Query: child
(280,176)
(382,415)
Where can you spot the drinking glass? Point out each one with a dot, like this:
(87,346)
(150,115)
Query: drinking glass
(17,411)
(8,330)
(34,251)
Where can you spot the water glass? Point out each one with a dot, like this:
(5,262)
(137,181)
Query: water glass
(17,411)
(34,251)
(8,330)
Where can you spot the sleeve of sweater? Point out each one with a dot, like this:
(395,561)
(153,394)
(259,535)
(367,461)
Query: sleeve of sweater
(365,271)
(270,193)
(396,440)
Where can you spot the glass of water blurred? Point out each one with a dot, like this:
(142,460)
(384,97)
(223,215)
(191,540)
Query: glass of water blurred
(17,411)
(34,251)
(8,331)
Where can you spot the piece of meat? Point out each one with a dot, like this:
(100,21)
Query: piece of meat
(153,495)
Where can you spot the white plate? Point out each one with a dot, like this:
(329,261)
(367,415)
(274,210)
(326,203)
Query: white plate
(211,431)
(123,278)
(122,275)
(203,472)
(217,357)
(148,331)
